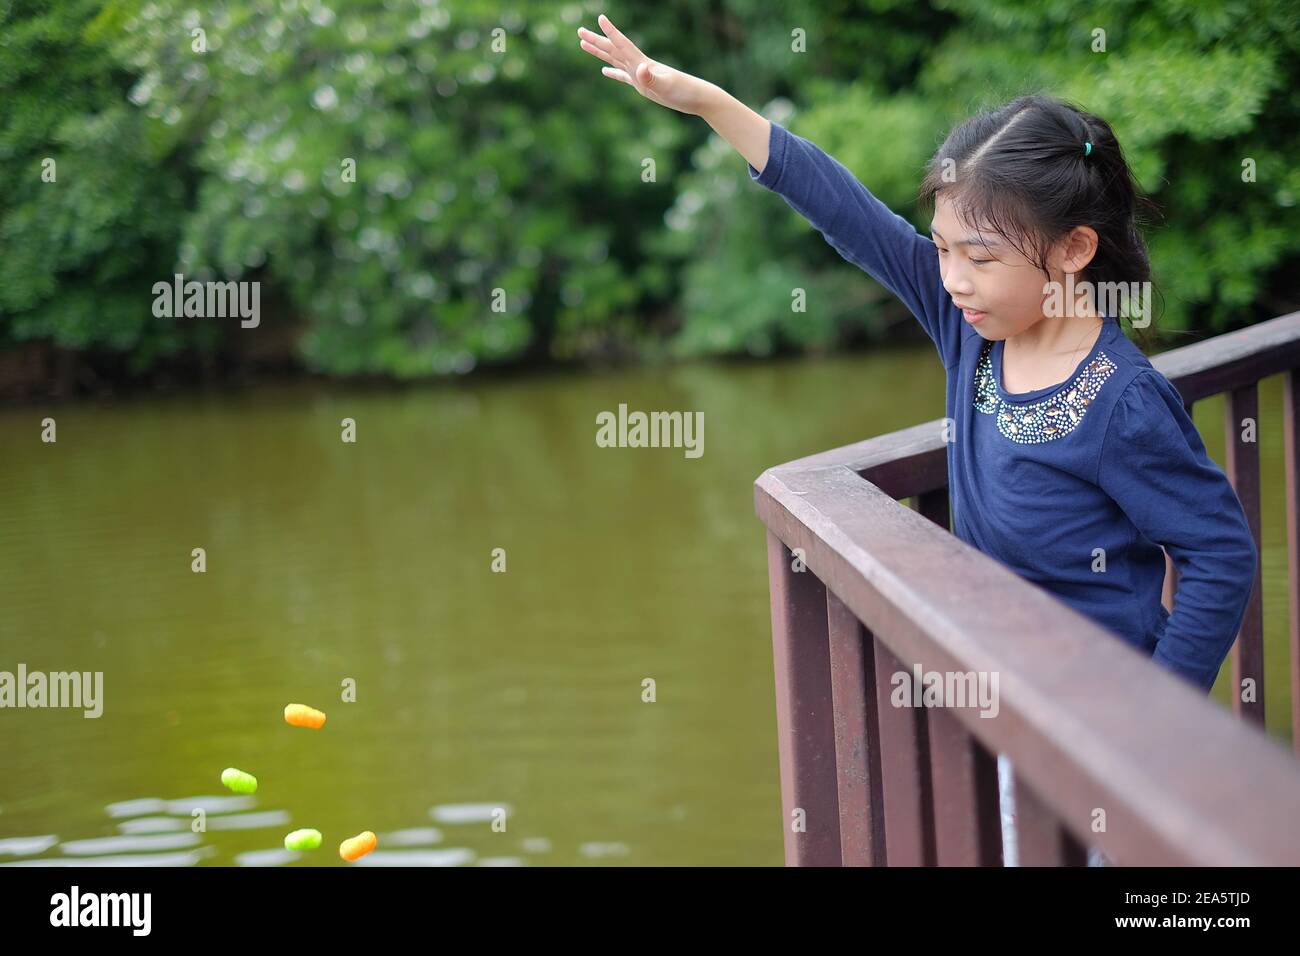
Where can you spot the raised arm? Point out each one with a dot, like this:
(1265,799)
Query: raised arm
(861,228)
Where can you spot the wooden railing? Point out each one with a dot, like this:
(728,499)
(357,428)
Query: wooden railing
(1110,750)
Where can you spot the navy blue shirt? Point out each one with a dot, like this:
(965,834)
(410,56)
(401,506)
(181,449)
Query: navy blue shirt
(1077,486)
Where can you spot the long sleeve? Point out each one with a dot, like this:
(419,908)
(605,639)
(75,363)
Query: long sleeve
(864,231)
(1154,465)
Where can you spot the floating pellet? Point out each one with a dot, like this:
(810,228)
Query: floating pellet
(300,715)
(239,781)
(358,846)
(302,840)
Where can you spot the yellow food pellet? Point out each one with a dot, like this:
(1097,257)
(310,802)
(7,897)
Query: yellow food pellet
(239,781)
(302,840)
(358,846)
(300,715)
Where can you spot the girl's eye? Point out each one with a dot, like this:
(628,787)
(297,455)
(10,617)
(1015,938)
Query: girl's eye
(980,262)
(943,252)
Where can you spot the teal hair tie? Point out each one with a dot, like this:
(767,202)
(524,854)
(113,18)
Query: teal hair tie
(1087,149)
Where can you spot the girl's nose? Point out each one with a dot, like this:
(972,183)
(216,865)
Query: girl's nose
(957,284)
(956,278)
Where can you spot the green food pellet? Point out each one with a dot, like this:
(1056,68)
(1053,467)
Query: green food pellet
(302,840)
(239,781)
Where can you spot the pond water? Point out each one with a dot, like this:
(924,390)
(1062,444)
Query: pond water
(480,695)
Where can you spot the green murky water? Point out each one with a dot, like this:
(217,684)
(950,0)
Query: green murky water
(372,562)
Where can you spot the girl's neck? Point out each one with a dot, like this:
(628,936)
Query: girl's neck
(1052,337)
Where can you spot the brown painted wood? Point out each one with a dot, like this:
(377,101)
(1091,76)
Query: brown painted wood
(857,738)
(964,776)
(804,720)
(905,771)
(1171,769)
(1041,839)
(925,595)
(1234,359)
(935,506)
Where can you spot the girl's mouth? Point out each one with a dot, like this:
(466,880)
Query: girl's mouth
(973,317)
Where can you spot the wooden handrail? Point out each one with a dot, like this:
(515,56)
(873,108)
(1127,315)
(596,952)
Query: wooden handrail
(1094,729)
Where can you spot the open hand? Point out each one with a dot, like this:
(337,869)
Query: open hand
(652,79)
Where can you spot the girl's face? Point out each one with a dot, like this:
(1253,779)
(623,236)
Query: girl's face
(999,290)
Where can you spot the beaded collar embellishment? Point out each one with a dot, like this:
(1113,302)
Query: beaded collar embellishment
(1035,422)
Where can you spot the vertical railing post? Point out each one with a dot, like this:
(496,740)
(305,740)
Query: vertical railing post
(967,817)
(857,737)
(935,506)
(804,719)
(904,771)
(1041,839)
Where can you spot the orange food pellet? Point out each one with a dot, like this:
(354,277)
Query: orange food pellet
(358,846)
(300,715)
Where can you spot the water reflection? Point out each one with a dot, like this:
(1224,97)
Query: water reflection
(140,859)
(25,846)
(372,562)
(183,806)
(450,857)
(126,844)
(469,812)
(597,850)
(134,808)
(209,805)
(416,836)
(153,825)
(250,821)
(266,857)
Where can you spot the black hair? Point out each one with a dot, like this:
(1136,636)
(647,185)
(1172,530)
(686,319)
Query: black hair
(1024,170)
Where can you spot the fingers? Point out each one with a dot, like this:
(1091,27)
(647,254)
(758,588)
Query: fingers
(622,48)
(621,43)
(597,52)
(596,40)
(617,75)
(615,49)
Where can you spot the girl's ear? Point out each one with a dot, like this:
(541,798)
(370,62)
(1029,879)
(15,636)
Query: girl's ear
(1077,249)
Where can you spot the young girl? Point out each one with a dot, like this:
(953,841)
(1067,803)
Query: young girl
(1072,460)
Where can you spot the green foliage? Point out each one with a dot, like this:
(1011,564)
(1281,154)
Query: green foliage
(503,207)
(1192,90)
(80,252)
